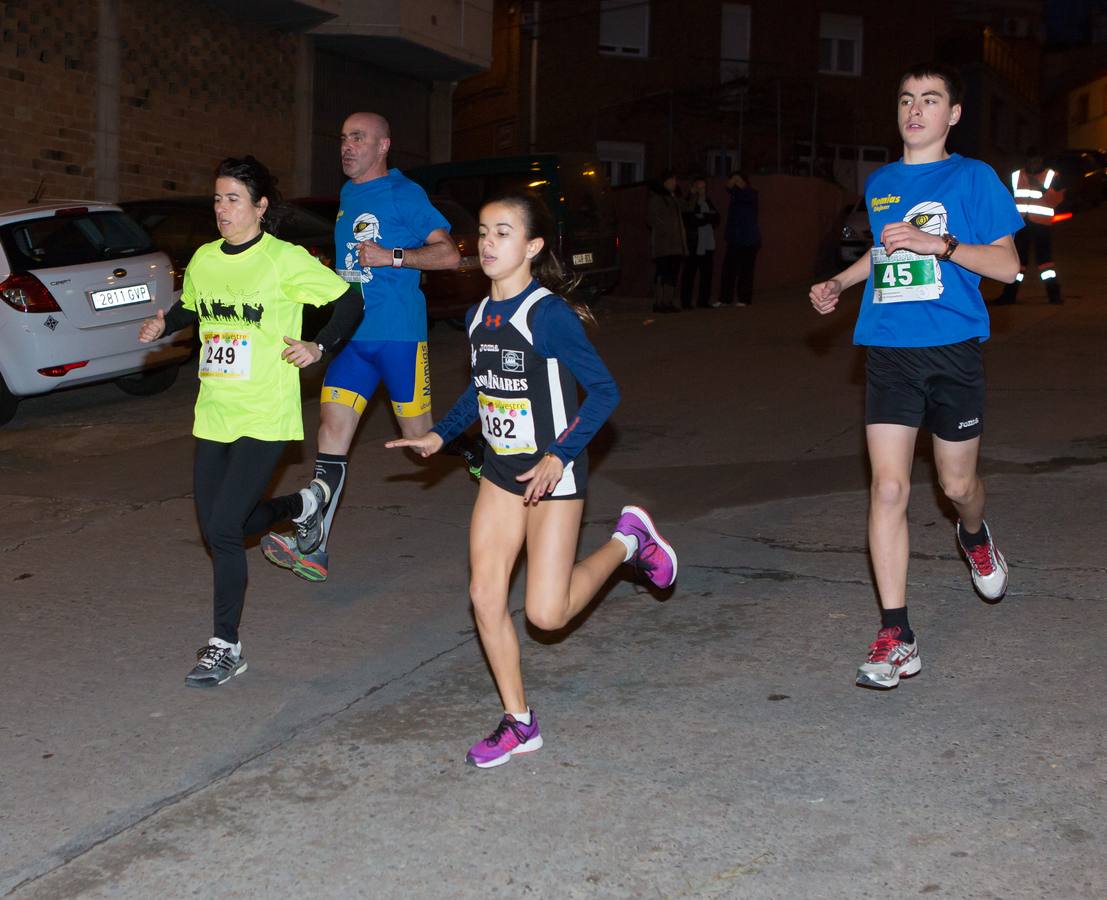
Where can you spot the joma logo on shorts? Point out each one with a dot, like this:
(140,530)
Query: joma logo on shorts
(968,424)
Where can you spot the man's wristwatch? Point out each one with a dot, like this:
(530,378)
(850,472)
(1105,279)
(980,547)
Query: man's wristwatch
(951,244)
(322,349)
(397,257)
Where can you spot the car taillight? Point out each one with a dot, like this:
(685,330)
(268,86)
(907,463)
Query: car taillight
(1060,217)
(26,293)
(58,371)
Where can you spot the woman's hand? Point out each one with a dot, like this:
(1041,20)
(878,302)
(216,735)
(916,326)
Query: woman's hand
(152,329)
(425,445)
(543,478)
(301,353)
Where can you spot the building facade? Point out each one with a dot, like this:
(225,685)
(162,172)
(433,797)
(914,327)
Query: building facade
(711,86)
(1086,106)
(125,99)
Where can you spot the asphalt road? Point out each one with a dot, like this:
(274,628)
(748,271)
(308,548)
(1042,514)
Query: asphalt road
(707,743)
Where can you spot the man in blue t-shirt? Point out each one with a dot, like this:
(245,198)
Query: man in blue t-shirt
(942,221)
(386,233)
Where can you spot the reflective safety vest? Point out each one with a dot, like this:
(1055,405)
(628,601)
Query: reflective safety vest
(1035,200)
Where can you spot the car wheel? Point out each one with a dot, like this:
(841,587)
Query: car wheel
(8,403)
(148,382)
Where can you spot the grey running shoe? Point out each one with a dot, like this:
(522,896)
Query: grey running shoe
(215,664)
(890,659)
(988,567)
(281,550)
(309,532)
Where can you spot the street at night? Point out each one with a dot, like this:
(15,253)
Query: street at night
(704,742)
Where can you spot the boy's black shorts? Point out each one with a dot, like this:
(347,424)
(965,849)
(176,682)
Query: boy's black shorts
(940,389)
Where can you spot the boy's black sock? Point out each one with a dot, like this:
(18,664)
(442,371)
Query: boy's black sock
(889,618)
(972,540)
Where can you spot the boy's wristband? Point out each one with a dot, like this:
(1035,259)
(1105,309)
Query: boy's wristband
(951,244)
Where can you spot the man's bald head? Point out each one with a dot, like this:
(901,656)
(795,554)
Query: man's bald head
(369,122)
(366,138)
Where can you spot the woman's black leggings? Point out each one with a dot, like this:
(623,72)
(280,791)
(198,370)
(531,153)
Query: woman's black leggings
(228,481)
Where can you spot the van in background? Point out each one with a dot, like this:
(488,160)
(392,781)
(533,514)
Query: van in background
(574,189)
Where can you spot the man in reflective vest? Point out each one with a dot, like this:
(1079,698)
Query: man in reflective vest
(1036,198)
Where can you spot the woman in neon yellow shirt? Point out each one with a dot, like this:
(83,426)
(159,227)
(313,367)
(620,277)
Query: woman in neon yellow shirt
(246,294)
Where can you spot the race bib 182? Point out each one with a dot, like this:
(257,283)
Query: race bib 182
(507,425)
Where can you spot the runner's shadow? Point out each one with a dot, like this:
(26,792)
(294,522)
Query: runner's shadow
(620,578)
(429,472)
(834,328)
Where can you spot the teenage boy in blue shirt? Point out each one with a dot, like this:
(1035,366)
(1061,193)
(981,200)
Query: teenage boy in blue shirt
(942,222)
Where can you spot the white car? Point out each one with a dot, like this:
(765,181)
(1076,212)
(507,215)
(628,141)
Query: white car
(856,238)
(76,279)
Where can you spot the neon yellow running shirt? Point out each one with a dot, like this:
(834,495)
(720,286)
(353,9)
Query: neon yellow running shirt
(247,303)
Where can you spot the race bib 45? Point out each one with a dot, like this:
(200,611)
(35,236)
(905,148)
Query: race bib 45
(904,277)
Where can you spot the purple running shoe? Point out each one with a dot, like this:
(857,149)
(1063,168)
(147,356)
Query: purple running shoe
(655,557)
(510,737)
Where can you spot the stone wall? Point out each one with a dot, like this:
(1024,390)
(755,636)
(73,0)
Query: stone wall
(194,85)
(47,99)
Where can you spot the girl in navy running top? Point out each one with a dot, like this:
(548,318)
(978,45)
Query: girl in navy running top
(529,353)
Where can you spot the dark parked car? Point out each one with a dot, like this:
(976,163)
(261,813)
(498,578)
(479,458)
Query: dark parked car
(180,225)
(449,293)
(573,187)
(1098,160)
(1083,178)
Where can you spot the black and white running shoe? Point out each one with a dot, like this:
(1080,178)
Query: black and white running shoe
(216,663)
(309,529)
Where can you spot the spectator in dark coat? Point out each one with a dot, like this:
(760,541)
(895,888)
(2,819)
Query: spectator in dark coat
(743,240)
(700,219)
(668,244)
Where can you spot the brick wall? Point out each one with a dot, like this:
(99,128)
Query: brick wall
(195,86)
(47,99)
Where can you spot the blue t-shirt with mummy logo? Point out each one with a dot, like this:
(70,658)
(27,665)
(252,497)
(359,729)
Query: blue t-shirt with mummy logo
(392,211)
(958,196)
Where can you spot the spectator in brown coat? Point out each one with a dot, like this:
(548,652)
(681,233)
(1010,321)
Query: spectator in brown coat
(668,244)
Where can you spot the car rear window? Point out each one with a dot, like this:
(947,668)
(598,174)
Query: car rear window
(471,191)
(323,207)
(461,221)
(296,224)
(586,198)
(72,239)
